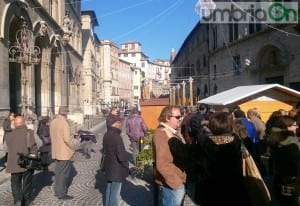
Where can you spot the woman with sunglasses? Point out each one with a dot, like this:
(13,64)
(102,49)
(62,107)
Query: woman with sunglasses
(169,173)
(285,160)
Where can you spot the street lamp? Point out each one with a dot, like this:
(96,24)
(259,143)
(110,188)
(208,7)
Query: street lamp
(191,90)
(25,53)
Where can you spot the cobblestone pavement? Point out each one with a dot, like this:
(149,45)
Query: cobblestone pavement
(88,183)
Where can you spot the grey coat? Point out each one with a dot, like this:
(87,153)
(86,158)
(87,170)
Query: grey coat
(17,143)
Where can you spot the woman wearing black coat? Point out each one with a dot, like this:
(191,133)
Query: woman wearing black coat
(285,160)
(115,161)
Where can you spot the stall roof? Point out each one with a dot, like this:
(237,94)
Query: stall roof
(240,93)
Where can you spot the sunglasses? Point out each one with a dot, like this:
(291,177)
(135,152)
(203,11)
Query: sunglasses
(177,117)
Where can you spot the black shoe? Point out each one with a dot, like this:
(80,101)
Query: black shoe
(67,197)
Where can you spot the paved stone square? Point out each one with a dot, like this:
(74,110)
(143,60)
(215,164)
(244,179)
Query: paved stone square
(88,183)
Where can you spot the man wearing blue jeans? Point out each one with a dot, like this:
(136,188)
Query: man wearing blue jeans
(169,173)
(113,190)
(172,196)
(115,161)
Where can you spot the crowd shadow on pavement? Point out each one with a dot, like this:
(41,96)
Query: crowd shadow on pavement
(135,191)
(45,179)
(135,194)
(73,173)
(41,180)
(2,163)
(100,183)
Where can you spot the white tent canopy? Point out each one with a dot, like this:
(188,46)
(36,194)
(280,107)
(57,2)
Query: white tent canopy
(243,93)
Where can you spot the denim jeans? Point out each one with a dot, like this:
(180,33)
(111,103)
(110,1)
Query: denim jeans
(21,186)
(172,197)
(113,191)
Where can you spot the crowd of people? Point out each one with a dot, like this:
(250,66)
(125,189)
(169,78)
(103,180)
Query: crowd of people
(203,151)
(195,152)
(57,143)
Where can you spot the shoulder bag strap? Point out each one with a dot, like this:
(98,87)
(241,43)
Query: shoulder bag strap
(28,140)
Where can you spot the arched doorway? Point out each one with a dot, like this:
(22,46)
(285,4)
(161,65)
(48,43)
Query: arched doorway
(15,76)
(272,64)
(40,88)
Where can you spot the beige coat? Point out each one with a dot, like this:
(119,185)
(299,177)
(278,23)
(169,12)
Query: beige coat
(62,147)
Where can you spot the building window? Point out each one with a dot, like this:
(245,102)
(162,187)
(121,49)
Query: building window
(215,89)
(237,64)
(215,71)
(204,61)
(50,7)
(125,55)
(233,32)
(135,87)
(132,46)
(143,64)
(215,38)
(192,72)
(133,54)
(254,28)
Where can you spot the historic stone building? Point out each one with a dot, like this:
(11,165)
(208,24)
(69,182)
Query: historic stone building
(111,68)
(126,72)
(151,79)
(40,56)
(91,73)
(222,56)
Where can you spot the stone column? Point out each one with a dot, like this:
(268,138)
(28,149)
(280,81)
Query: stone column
(191,91)
(174,95)
(183,93)
(178,95)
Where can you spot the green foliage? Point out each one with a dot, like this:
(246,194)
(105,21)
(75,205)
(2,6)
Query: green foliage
(145,157)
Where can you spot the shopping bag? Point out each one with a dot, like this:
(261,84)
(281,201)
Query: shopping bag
(257,190)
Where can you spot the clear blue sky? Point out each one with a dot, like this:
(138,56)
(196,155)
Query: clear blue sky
(159,25)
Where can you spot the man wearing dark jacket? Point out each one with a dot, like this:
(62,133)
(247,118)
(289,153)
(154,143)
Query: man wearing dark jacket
(115,161)
(136,129)
(21,179)
(114,112)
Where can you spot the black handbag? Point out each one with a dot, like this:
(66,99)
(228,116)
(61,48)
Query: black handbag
(29,161)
